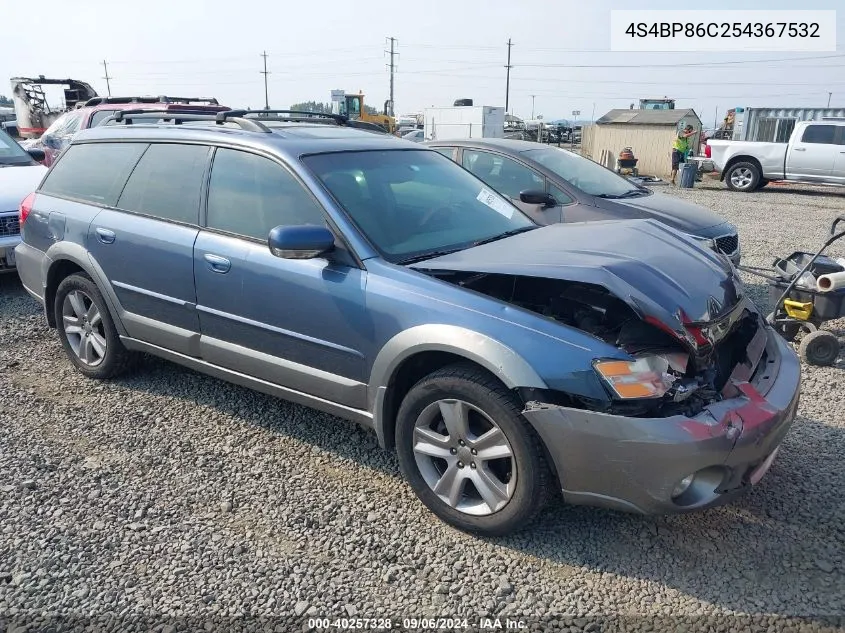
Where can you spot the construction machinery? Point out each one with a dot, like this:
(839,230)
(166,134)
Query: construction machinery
(33,113)
(352,106)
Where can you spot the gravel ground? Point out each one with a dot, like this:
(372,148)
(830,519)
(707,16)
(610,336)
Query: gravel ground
(185,500)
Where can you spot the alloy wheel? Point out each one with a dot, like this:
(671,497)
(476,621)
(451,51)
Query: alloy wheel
(464,457)
(84,328)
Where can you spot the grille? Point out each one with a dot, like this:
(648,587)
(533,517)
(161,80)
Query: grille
(9,225)
(728,243)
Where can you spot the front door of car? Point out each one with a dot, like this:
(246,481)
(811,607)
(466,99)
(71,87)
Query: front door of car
(145,245)
(297,323)
(509,178)
(814,154)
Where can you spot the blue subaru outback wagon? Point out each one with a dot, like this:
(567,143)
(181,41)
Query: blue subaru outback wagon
(619,364)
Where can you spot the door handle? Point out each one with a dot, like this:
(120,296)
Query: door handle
(799,149)
(105,236)
(217,264)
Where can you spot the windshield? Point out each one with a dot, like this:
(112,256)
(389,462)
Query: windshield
(11,153)
(583,173)
(415,203)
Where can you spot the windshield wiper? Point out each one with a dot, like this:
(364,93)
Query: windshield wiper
(502,236)
(429,255)
(628,194)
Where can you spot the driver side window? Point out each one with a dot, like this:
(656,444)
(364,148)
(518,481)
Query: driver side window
(503,174)
(249,195)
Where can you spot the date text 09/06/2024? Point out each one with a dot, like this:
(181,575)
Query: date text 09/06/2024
(417,624)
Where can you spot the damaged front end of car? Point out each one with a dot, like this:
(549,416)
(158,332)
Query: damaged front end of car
(700,392)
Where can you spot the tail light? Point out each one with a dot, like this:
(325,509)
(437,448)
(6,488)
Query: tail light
(25,208)
(708,151)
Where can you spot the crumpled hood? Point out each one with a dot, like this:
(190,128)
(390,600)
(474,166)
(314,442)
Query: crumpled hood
(679,214)
(658,272)
(17,182)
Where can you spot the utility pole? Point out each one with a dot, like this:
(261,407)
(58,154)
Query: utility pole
(265,72)
(392,67)
(106,69)
(508,79)
(593,117)
(532,106)
(829,95)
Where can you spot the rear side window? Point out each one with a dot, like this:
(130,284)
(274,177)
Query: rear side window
(167,183)
(819,134)
(93,172)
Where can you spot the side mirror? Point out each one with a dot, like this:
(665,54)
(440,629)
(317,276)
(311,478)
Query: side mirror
(538,197)
(300,242)
(37,154)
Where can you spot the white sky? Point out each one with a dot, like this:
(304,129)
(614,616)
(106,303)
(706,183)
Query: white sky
(448,50)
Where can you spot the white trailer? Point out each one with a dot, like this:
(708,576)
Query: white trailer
(459,122)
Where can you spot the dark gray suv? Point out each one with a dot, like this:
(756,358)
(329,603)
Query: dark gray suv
(617,362)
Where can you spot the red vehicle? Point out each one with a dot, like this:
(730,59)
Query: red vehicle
(98,109)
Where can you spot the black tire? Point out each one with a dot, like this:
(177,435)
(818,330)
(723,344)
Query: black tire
(116,359)
(743,176)
(763,182)
(819,348)
(534,481)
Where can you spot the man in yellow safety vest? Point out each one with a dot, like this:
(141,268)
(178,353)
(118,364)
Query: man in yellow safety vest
(680,149)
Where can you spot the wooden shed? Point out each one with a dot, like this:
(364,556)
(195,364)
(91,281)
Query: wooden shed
(649,133)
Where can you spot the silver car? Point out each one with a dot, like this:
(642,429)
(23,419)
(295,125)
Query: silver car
(20,174)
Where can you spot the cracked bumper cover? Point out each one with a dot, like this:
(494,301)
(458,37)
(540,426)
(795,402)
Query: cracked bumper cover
(633,464)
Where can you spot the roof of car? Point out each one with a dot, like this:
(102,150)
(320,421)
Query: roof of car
(289,139)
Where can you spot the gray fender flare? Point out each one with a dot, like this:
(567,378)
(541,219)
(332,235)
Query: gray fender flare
(69,251)
(499,359)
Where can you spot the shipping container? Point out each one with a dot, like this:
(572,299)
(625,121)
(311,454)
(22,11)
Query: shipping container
(464,122)
(774,125)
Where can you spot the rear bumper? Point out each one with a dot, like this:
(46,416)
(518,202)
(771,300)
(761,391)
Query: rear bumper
(30,265)
(634,464)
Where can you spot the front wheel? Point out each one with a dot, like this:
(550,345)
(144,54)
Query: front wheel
(743,177)
(468,453)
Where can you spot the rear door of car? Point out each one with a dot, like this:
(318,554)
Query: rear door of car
(812,155)
(144,243)
(297,323)
(838,174)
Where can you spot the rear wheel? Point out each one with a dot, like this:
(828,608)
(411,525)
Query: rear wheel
(87,330)
(468,453)
(743,177)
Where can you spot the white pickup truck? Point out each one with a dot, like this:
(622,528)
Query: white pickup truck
(815,153)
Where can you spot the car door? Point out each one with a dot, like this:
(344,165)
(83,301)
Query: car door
(838,174)
(296,323)
(145,245)
(510,177)
(812,156)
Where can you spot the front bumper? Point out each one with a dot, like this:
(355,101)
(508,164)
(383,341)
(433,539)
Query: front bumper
(634,464)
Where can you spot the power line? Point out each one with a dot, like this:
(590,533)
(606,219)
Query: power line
(107,78)
(508,77)
(686,64)
(265,72)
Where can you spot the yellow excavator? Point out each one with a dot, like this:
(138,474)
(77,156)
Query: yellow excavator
(352,106)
